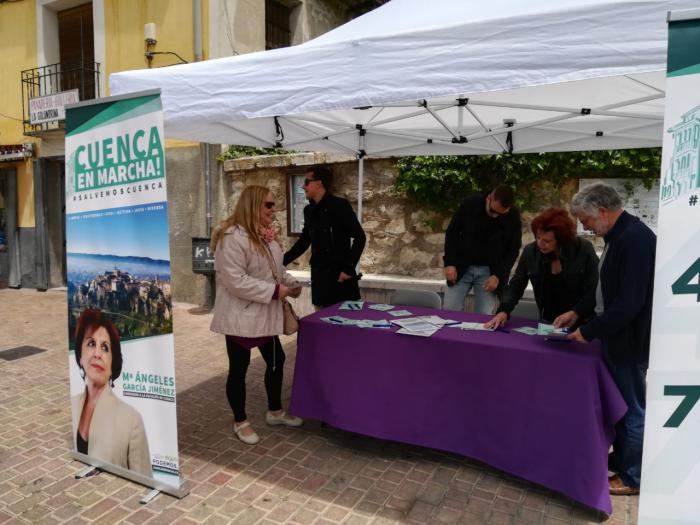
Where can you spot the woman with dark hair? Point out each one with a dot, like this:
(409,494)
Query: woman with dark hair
(104,426)
(561,267)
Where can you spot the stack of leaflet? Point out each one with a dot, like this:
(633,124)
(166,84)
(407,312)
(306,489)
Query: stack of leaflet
(400,313)
(415,326)
(527,330)
(549,329)
(352,305)
(544,329)
(360,323)
(424,326)
(438,321)
(472,326)
(381,307)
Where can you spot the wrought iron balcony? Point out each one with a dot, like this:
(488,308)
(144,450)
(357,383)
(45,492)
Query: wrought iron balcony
(65,82)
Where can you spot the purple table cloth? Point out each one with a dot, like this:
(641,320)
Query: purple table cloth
(542,411)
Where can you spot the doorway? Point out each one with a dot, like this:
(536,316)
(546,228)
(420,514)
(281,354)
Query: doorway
(9,249)
(50,216)
(77,50)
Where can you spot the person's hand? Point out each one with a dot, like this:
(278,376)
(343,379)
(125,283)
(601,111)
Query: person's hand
(451,274)
(295,291)
(491,284)
(577,336)
(497,320)
(344,277)
(566,319)
(286,291)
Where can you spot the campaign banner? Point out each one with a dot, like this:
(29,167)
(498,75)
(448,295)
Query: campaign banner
(671,462)
(120,323)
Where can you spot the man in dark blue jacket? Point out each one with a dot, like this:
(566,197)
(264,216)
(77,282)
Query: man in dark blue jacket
(622,303)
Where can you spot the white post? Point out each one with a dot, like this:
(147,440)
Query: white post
(360,182)
(360,185)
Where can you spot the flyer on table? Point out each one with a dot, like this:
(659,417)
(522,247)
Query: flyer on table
(120,324)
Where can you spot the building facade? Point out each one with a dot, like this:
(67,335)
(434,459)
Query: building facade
(683,172)
(54,52)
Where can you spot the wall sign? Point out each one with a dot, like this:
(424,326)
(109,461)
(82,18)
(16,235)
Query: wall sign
(51,107)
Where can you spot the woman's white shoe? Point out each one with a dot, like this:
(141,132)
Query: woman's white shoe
(283,419)
(250,439)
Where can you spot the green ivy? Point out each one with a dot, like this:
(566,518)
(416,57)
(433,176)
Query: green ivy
(237,152)
(438,184)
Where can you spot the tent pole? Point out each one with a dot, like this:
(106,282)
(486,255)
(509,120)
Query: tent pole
(360,185)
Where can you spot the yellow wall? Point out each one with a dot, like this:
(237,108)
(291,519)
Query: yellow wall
(124,43)
(125,47)
(18,52)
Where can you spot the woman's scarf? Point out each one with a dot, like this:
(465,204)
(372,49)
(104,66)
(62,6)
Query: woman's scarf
(269,234)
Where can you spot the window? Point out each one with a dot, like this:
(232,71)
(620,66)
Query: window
(277,28)
(77,50)
(296,200)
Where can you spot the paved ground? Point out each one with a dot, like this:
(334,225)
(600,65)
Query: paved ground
(309,475)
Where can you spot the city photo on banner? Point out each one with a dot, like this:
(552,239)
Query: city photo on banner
(120,325)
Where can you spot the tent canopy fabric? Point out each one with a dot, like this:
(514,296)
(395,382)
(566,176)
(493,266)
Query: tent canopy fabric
(433,78)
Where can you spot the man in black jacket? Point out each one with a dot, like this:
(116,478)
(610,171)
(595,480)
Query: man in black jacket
(622,303)
(481,245)
(336,238)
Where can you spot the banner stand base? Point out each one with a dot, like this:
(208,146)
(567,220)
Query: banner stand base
(87,471)
(179,492)
(148,497)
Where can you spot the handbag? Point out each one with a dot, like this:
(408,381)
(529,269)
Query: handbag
(290,319)
(290,323)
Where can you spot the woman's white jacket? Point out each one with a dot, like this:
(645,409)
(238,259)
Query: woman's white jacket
(245,285)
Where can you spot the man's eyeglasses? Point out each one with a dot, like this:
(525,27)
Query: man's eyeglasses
(269,205)
(309,181)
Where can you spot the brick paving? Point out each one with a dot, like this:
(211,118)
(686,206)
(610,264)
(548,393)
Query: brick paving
(312,475)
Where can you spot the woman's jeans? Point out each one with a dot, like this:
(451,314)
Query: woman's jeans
(475,277)
(238,361)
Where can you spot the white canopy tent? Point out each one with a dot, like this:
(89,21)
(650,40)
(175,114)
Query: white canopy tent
(437,77)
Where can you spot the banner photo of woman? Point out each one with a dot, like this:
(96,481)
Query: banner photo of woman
(120,324)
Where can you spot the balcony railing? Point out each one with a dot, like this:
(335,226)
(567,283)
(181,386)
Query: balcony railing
(54,79)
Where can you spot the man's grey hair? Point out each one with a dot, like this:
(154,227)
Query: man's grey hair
(591,198)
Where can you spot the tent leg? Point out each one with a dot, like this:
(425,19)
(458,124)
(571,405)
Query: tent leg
(360,191)
(360,186)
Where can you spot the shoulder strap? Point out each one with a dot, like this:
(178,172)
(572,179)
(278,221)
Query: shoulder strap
(270,261)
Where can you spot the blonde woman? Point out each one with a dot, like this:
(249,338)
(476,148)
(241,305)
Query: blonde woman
(250,285)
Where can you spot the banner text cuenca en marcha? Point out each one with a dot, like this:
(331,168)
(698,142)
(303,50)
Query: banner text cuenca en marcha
(119,160)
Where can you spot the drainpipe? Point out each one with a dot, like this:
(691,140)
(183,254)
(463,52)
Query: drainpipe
(206,150)
(197,17)
(207,164)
